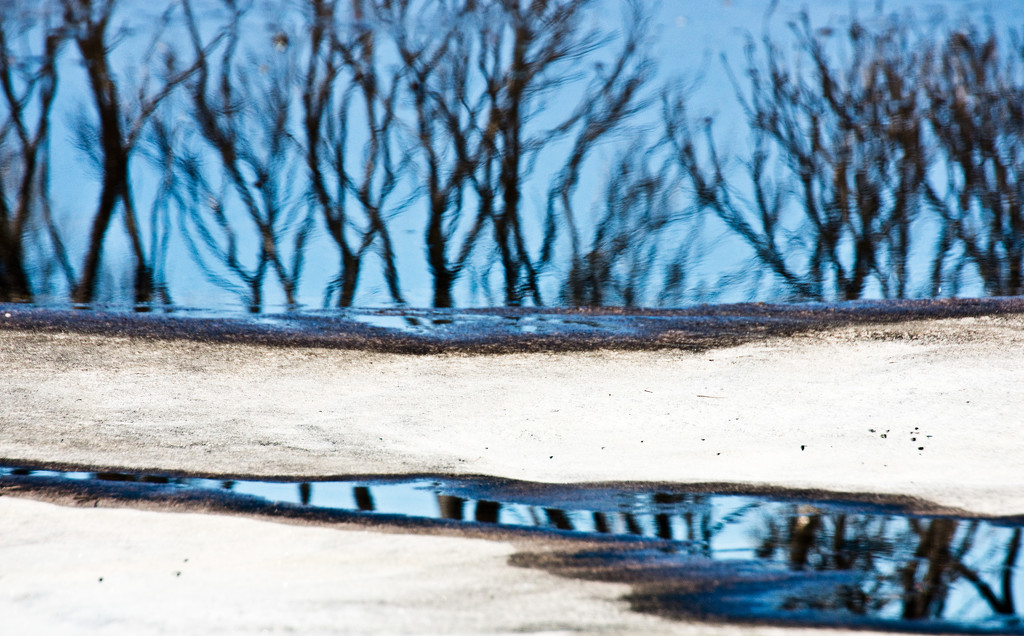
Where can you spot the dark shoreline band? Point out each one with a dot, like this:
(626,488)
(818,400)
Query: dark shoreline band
(499,330)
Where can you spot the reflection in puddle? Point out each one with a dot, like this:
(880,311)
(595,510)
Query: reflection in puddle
(529,324)
(690,554)
(442,323)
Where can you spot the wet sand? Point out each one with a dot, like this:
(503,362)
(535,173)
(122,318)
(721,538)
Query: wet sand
(919,406)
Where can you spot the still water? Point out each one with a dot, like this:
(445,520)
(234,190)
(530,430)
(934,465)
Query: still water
(440,153)
(707,555)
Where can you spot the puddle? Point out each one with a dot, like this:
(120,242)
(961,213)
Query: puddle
(446,323)
(704,555)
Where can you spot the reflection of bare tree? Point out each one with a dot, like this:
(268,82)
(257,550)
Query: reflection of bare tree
(487,511)
(364,498)
(699,529)
(1003,601)
(975,107)
(318,97)
(117,132)
(802,534)
(547,40)
(847,135)
(243,113)
(930,556)
(482,124)
(348,87)
(440,66)
(807,539)
(477,85)
(632,524)
(559,519)
(925,580)
(28,79)
(618,267)
(451,507)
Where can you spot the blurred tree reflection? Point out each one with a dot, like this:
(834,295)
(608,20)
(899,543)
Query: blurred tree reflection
(848,139)
(451,507)
(243,112)
(363,498)
(28,78)
(479,92)
(629,236)
(501,152)
(838,161)
(119,126)
(976,109)
(487,511)
(348,86)
(914,563)
(1002,602)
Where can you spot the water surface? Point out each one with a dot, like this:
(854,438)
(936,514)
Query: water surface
(710,555)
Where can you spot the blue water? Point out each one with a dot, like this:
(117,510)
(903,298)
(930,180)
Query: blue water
(825,561)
